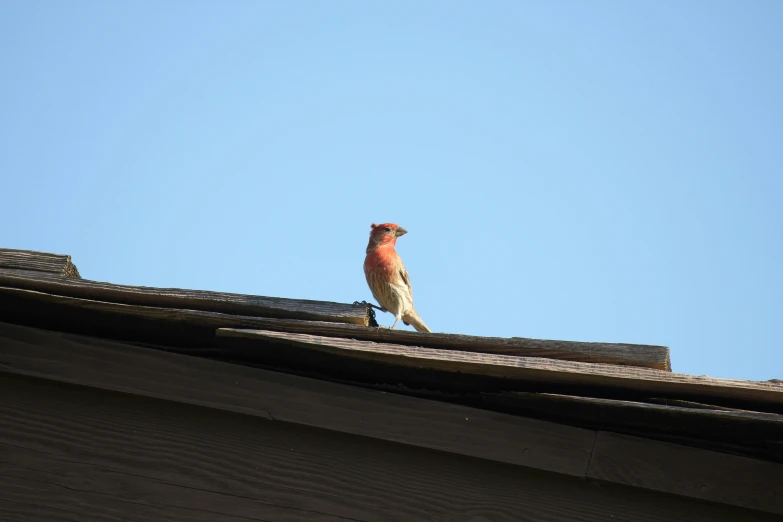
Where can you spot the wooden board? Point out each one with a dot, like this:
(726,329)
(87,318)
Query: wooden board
(251,305)
(732,431)
(687,471)
(768,396)
(458,429)
(261,394)
(185,320)
(38,261)
(70,453)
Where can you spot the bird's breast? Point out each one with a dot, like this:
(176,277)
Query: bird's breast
(381,263)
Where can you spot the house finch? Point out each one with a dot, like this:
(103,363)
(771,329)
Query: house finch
(387,277)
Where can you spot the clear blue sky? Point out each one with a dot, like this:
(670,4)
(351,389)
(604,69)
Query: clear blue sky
(595,171)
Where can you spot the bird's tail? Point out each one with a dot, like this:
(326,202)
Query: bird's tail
(413,319)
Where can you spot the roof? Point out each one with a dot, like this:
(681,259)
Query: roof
(582,400)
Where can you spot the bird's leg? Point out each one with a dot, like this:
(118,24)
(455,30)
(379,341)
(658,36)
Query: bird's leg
(395,323)
(382,309)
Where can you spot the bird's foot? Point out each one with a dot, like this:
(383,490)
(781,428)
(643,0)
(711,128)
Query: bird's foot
(370,305)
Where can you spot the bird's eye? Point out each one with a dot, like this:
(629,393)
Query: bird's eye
(387,229)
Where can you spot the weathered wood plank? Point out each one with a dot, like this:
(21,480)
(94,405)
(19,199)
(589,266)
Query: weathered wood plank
(38,261)
(228,303)
(641,355)
(193,332)
(765,394)
(458,429)
(42,496)
(731,431)
(691,472)
(105,456)
(46,481)
(631,355)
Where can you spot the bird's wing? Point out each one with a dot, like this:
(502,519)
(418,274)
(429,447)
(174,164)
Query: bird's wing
(406,279)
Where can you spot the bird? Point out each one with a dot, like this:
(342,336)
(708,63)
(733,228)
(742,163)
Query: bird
(387,277)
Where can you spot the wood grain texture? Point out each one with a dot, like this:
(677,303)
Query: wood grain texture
(38,262)
(193,333)
(672,468)
(74,453)
(730,431)
(765,394)
(270,395)
(196,328)
(609,353)
(44,496)
(250,305)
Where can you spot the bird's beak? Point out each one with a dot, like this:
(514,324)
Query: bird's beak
(400,232)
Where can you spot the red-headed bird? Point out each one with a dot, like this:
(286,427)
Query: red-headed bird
(387,277)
